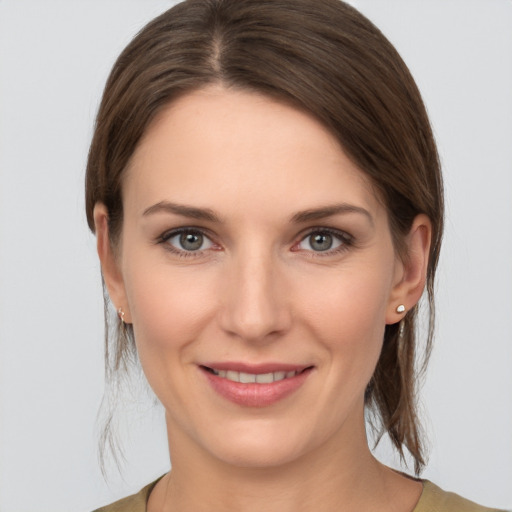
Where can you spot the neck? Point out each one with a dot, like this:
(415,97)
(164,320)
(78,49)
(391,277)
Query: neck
(341,474)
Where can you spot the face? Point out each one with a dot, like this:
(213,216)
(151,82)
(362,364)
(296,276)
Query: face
(258,270)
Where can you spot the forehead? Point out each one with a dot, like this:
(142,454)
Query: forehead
(242,148)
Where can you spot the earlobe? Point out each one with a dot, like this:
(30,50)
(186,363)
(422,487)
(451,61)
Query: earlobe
(110,270)
(407,292)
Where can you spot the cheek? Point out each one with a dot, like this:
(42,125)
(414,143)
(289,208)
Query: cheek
(355,297)
(168,307)
(169,310)
(348,313)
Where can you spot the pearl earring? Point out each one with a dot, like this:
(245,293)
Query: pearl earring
(120,313)
(400,309)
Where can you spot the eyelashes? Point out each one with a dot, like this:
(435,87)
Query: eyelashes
(190,240)
(324,242)
(316,242)
(187,242)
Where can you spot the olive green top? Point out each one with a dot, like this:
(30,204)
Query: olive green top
(432,499)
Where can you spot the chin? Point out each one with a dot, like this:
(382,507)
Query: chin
(259,444)
(258,454)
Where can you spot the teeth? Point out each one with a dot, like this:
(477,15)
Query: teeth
(249,378)
(265,378)
(280,375)
(234,376)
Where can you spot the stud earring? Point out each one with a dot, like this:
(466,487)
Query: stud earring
(400,308)
(120,314)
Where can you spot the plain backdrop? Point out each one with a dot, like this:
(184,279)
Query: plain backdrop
(54,59)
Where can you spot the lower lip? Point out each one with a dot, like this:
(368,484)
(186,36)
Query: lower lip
(256,395)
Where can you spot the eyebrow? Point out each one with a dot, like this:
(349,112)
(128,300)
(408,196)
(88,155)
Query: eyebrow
(329,211)
(183,210)
(209,215)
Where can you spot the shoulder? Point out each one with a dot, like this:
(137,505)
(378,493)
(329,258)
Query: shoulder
(434,499)
(134,503)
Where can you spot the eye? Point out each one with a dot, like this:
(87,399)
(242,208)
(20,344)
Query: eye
(324,241)
(188,240)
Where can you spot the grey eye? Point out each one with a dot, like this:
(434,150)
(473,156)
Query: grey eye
(320,241)
(190,241)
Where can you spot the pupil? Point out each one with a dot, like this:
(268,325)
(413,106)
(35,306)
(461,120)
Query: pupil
(321,242)
(191,241)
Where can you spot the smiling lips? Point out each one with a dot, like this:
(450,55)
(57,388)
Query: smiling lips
(247,378)
(256,386)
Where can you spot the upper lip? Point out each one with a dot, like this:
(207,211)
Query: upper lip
(255,368)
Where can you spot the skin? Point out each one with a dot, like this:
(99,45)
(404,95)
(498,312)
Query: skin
(258,291)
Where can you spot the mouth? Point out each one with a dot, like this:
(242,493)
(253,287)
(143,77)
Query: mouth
(255,385)
(255,378)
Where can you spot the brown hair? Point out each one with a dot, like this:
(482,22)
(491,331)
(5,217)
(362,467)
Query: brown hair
(324,57)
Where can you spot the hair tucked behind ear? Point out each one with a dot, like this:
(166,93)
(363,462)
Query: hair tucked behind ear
(326,58)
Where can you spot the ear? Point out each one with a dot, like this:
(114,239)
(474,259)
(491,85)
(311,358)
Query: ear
(411,273)
(109,262)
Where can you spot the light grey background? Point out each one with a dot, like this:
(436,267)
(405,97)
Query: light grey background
(54,59)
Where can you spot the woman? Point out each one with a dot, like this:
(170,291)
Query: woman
(266,194)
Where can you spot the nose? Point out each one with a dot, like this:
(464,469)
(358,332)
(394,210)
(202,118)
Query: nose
(255,306)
